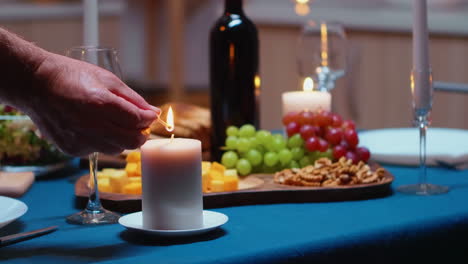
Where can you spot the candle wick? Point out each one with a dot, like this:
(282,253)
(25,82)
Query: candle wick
(172,137)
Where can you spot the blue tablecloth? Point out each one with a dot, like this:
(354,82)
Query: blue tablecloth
(394,229)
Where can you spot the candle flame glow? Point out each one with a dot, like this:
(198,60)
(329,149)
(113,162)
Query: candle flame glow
(257,81)
(170,120)
(257,84)
(308,85)
(302,9)
(412,83)
(324,44)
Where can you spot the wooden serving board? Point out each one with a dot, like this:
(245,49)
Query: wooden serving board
(254,189)
(118,161)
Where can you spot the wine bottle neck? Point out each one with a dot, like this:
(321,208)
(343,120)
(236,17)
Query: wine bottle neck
(233,6)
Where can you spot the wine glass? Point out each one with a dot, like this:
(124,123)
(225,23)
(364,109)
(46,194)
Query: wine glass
(421,88)
(322,53)
(94,213)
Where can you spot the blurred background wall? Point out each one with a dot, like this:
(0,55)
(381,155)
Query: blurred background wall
(163,47)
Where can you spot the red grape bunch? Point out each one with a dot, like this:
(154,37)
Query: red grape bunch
(324,131)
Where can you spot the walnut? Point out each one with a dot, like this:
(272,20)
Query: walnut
(310,184)
(372,178)
(331,183)
(344,178)
(311,177)
(326,173)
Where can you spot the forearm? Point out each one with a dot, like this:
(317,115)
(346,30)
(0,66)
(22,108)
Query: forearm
(19,61)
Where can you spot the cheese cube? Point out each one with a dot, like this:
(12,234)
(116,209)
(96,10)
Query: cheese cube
(217,186)
(205,183)
(100,175)
(132,188)
(134,180)
(133,157)
(107,171)
(104,185)
(132,169)
(231,183)
(139,168)
(117,180)
(206,166)
(218,167)
(231,172)
(215,175)
(118,173)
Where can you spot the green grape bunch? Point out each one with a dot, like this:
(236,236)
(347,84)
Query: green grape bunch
(251,151)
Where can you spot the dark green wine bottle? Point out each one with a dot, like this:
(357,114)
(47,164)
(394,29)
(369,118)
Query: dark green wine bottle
(234,80)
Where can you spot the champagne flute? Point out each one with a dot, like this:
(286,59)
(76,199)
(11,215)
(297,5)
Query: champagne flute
(94,213)
(322,53)
(422,90)
(421,87)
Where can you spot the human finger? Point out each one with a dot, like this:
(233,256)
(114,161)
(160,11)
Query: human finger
(130,95)
(127,115)
(126,138)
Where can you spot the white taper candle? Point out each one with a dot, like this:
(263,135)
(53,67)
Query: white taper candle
(420,36)
(90,23)
(421,82)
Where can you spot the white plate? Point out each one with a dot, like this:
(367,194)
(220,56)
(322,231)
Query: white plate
(39,170)
(211,220)
(401,145)
(10,210)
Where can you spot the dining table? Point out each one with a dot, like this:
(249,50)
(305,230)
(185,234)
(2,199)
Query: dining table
(397,228)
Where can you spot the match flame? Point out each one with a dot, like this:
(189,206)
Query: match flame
(170,120)
(308,85)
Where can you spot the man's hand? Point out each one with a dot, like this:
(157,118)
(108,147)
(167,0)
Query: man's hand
(83,108)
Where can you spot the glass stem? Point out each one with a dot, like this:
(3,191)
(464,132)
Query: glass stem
(94,204)
(422,123)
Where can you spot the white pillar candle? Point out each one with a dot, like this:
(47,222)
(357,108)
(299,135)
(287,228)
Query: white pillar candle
(90,23)
(309,99)
(306,100)
(172,197)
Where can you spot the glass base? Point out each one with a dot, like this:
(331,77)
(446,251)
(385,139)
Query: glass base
(423,189)
(88,217)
